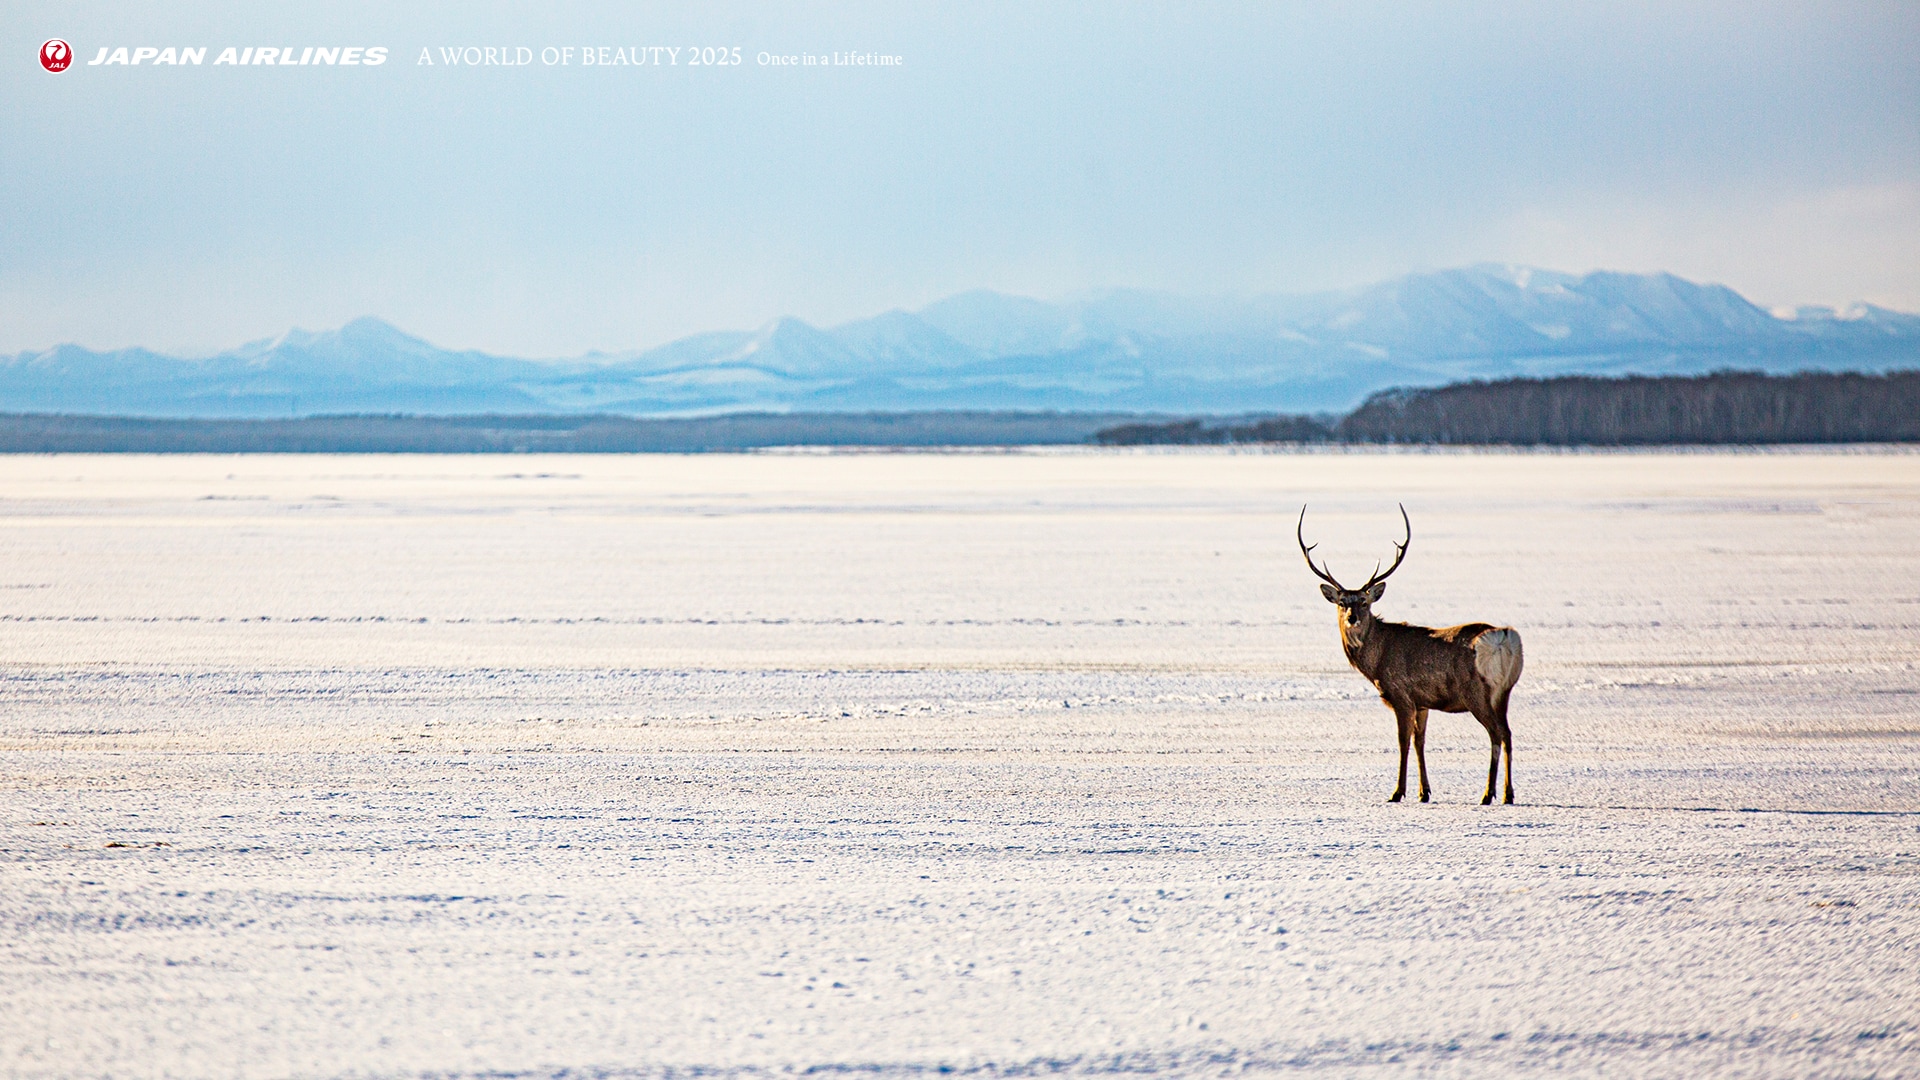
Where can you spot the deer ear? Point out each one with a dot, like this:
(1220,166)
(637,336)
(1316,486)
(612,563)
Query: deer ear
(1327,591)
(1374,594)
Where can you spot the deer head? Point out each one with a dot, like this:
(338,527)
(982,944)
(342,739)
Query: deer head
(1355,604)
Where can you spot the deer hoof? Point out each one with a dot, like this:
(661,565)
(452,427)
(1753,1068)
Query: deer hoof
(1423,796)
(1509,799)
(1396,796)
(1487,800)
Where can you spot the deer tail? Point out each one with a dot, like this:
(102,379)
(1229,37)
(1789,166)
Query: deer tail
(1496,655)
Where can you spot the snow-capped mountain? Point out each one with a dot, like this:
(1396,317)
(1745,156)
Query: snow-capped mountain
(1121,350)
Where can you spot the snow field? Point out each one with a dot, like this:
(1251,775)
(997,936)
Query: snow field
(1031,764)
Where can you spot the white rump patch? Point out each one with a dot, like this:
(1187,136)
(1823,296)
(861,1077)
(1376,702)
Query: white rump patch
(1496,655)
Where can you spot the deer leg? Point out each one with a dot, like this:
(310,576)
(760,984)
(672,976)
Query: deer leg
(1506,739)
(1404,719)
(1420,749)
(1493,773)
(1487,718)
(1506,742)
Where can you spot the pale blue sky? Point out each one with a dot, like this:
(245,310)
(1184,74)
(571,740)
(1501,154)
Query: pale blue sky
(1213,148)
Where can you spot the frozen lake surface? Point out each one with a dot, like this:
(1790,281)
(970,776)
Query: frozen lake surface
(890,764)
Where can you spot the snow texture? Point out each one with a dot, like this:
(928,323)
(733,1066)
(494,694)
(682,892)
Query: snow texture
(992,763)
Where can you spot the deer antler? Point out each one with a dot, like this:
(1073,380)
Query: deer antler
(1306,551)
(1399,556)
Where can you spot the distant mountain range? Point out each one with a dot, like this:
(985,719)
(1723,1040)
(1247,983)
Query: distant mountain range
(1119,351)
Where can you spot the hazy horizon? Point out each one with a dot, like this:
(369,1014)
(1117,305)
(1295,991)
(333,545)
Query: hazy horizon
(1785,311)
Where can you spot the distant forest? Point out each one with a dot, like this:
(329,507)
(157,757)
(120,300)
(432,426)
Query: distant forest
(1580,410)
(1726,407)
(51,433)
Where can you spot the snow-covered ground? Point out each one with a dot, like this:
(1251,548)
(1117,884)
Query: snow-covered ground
(1035,763)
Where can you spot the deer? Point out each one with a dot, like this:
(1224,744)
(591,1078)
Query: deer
(1467,668)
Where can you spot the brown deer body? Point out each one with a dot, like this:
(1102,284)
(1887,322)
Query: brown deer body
(1468,668)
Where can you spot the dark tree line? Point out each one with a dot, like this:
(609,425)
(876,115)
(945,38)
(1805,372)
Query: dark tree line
(53,433)
(1726,407)
(1581,410)
(1263,429)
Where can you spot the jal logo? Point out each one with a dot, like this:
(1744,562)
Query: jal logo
(55,55)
